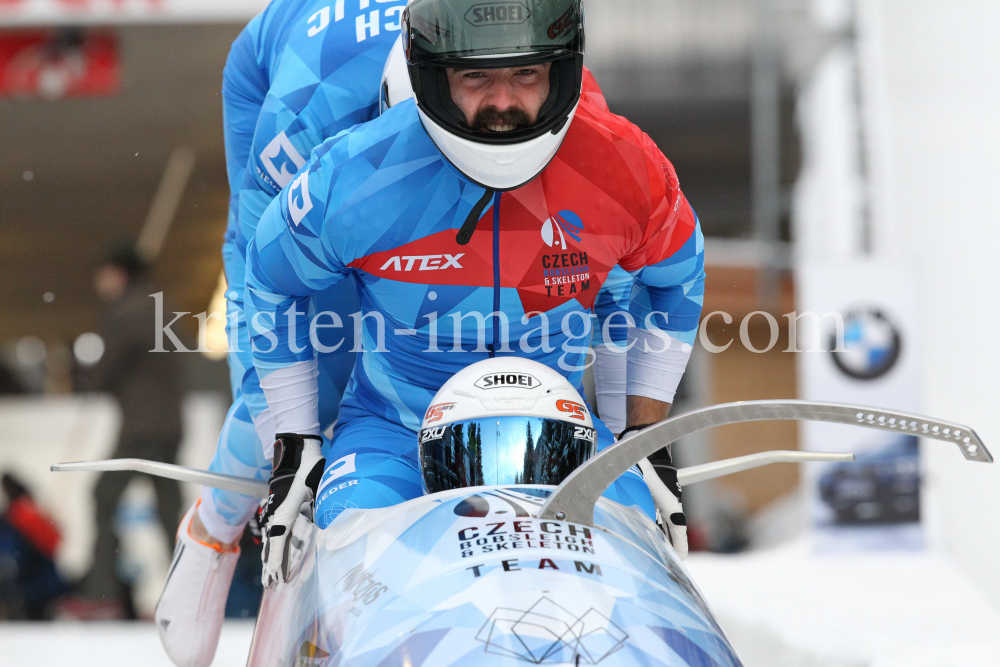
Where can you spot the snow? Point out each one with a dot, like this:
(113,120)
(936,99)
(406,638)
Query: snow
(793,607)
(107,644)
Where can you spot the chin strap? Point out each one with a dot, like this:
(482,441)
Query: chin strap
(469,226)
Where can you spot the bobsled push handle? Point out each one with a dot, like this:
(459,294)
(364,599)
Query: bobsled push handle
(575,498)
(706,471)
(244,485)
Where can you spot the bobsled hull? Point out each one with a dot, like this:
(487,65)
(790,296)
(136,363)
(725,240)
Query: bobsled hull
(471,578)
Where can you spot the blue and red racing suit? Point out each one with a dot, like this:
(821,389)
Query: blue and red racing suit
(379,203)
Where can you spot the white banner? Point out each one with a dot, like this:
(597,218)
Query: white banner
(19,13)
(868,334)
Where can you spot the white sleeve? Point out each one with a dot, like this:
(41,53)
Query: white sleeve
(609,382)
(656,362)
(293,397)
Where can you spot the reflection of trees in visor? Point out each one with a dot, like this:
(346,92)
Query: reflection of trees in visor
(503,450)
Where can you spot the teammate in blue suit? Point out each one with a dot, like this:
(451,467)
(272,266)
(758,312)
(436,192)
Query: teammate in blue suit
(493,209)
(319,65)
(300,72)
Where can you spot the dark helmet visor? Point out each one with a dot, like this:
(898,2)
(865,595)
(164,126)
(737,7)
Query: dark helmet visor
(502,450)
(464,34)
(444,31)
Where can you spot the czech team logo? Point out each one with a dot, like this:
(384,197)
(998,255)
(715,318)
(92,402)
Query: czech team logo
(564,223)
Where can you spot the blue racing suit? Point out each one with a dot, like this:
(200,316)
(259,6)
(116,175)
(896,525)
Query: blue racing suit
(380,204)
(298,73)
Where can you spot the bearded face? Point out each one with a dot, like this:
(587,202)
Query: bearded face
(501,99)
(492,119)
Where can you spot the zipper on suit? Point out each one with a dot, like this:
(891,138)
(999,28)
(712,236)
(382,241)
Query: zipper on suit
(206,592)
(496,275)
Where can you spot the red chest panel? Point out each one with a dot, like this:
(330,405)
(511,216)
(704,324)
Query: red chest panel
(549,252)
(562,233)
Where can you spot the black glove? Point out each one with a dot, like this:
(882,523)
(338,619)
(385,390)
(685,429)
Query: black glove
(661,477)
(298,467)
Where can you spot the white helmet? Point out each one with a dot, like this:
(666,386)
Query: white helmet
(441,34)
(505,420)
(395,79)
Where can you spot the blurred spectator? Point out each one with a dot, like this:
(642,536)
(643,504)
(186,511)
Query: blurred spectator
(9,382)
(147,385)
(29,581)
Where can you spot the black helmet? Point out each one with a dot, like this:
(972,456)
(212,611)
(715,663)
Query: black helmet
(466,34)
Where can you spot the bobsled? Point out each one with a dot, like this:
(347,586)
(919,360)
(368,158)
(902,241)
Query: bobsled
(519,574)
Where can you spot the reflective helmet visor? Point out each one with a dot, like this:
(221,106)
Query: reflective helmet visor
(502,450)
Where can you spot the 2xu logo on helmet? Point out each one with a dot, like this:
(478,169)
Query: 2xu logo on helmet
(497,13)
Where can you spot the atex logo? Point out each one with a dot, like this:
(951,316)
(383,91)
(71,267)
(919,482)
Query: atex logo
(497,13)
(423,262)
(564,221)
(496,380)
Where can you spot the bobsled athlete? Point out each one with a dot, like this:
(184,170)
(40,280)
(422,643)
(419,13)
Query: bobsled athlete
(479,220)
(299,73)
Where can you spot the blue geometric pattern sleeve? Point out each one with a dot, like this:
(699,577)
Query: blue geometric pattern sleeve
(614,297)
(329,66)
(244,88)
(323,64)
(669,295)
(287,261)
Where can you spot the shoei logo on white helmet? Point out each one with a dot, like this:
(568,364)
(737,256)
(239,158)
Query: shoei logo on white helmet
(506,380)
(497,13)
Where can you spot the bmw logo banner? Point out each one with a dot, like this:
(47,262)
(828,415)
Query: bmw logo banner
(856,332)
